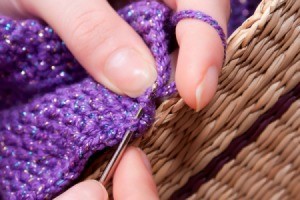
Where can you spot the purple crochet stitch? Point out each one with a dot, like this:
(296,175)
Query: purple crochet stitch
(53,115)
(45,140)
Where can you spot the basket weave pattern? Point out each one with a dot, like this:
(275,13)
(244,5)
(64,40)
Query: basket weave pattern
(262,65)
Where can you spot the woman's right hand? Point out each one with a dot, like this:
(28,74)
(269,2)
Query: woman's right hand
(132,181)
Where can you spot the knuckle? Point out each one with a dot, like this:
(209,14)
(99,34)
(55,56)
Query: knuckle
(89,30)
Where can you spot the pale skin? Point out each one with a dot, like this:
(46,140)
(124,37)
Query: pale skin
(129,183)
(105,46)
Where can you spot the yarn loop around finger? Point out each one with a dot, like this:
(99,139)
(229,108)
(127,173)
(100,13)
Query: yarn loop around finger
(199,15)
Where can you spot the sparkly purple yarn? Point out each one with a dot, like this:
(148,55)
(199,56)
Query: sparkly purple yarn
(54,116)
(192,14)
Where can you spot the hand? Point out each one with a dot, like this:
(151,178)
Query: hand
(116,56)
(132,180)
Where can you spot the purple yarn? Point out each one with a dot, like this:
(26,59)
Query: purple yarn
(240,11)
(54,116)
(192,14)
(45,140)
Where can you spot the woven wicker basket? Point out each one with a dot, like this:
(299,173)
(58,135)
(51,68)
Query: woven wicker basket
(245,144)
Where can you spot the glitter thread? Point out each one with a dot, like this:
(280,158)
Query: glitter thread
(54,116)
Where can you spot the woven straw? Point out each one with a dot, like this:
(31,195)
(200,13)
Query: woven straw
(263,64)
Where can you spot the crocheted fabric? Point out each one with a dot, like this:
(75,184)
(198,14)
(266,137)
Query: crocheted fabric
(54,116)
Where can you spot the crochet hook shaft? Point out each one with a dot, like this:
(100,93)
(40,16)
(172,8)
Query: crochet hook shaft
(113,163)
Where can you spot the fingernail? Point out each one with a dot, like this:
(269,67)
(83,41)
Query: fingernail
(145,160)
(207,87)
(129,71)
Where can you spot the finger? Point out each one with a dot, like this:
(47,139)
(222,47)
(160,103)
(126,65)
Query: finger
(109,49)
(133,178)
(200,52)
(91,189)
(12,8)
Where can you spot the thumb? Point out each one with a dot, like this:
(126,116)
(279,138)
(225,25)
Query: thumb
(133,177)
(12,8)
(91,189)
(105,45)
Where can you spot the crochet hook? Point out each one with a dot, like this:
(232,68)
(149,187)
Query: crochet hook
(113,163)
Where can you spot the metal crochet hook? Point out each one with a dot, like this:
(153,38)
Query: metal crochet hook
(113,163)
